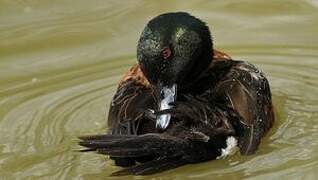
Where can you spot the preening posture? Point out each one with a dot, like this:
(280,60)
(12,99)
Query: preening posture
(183,102)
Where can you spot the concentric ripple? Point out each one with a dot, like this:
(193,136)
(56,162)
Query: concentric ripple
(43,119)
(60,62)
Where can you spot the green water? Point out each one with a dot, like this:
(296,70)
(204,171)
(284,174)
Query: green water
(60,62)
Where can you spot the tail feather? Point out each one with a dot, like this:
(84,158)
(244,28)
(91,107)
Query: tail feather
(95,142)
(127,152)
(166,151)
(103,141)
(151,167)
(106,137)
(121,145)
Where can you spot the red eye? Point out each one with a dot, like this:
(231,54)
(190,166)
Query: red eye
(166,53)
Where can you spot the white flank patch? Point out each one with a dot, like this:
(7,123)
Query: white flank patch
(230,149)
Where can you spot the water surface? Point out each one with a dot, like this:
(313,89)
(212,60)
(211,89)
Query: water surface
(60,62)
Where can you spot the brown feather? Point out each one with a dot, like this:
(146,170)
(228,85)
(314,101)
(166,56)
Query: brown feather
(227,100)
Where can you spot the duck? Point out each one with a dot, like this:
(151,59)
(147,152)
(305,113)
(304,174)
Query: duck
(183,102)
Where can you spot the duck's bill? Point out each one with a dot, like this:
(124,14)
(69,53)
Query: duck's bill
(168,95)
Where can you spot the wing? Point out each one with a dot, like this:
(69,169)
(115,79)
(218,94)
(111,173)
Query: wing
(165,150)
(127,113)
(246,91)
(158,152)
(129,104)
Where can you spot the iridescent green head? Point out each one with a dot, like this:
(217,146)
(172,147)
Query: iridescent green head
(173,50)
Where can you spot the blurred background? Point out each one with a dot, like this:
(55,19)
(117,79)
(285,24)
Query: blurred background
(60,62)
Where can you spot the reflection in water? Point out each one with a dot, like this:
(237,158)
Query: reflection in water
(60,63)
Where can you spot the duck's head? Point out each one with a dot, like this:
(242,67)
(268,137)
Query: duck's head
(173,51)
